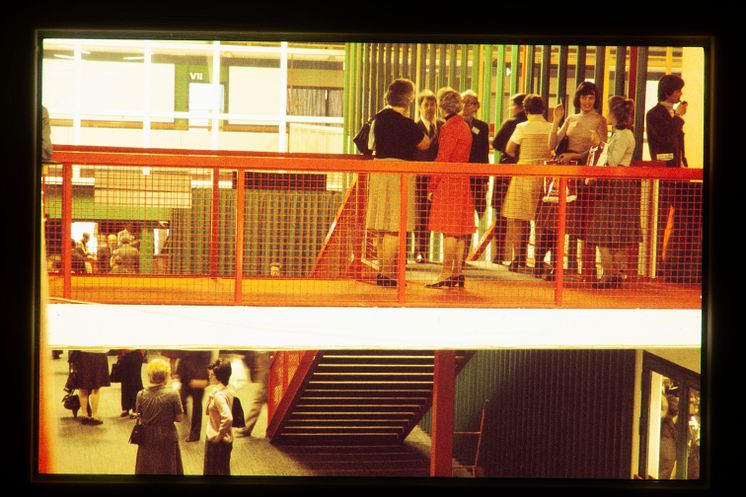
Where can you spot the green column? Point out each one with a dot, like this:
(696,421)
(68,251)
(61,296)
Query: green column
(528,85)
(515,67)
(499,92)
(464,66)
(475,62)
(598,73)
(546,65)
(641,77)
(619,73)
(452,66)
(562,73)
(487,91)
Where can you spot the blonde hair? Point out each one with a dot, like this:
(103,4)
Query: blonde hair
(158,371)
(449,101)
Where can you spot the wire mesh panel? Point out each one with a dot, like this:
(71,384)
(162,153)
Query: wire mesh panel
(266,233)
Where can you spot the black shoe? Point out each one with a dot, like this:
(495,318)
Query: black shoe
(514,266)
(382,280)
(439,284)
(601,284)
(457,281)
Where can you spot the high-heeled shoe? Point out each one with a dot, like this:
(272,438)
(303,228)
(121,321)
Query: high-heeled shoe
(450,282)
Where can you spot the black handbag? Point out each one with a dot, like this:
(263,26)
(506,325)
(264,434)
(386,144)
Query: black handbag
(561,147)
(239,421)
(116,372)
(136,433)
(361,138)
(71,401)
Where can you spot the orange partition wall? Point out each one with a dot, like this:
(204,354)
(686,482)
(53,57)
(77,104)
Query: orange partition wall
(241,228)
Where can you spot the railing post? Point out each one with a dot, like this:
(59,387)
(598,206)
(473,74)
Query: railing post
(66,235)
(240,193)
(444,382)
(215,219)
(402,257)
(559,259)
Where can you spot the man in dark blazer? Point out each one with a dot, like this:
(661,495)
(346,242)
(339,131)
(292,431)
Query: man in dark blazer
(664,125)
(480,148)
(480,154)
(431,126)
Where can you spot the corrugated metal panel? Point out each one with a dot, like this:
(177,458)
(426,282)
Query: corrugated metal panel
(552,414)
(281,226)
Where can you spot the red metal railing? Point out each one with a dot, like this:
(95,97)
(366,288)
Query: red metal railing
(245,162)
(287,373)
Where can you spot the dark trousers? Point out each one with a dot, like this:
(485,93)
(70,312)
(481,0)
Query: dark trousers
(197,395)
(131,378)
(218,458)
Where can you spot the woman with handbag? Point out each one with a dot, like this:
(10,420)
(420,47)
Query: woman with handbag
(396,137)
(158,407)
(528,144)
(578,128)
(92,368)
(219,437)
(614,223)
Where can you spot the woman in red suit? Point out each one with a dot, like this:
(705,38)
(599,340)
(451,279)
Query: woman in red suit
(452,210)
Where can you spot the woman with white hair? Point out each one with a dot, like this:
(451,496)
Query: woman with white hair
(158,407)
(397,137)
(452,210)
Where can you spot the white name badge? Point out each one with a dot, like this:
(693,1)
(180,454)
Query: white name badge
(664,157)
(474,130)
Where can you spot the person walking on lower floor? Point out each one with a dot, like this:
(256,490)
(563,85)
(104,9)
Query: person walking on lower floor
(257,362)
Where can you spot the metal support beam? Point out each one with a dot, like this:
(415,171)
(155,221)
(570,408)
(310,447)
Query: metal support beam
(444,382)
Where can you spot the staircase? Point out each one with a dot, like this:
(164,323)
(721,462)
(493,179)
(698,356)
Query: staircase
(357,397)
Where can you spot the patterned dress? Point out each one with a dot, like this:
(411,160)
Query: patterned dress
(523,192)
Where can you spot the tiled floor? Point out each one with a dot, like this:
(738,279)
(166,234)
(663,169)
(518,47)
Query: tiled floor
(104,450)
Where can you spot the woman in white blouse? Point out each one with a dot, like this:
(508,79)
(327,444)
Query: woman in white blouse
(219,439)
(615,219)
(578,128)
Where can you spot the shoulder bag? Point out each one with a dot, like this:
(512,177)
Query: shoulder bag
(239,421)
(361,138)
(116,372)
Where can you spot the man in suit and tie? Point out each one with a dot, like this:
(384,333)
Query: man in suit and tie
(431,126)
(480,153)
